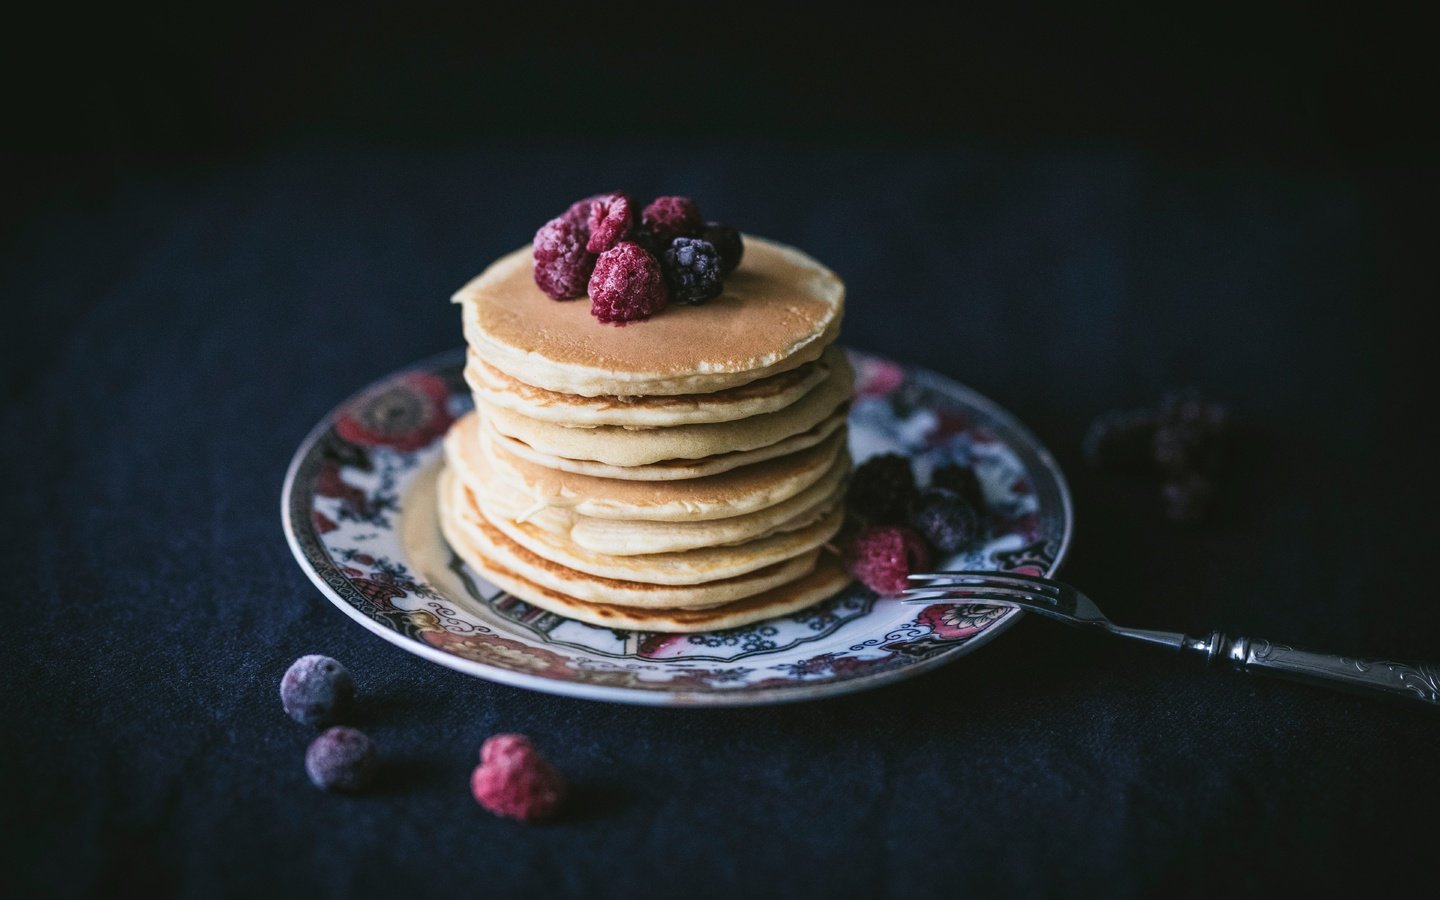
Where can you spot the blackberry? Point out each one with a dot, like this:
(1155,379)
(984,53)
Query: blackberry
(882,489)
(963,481)
(727,243)
(1191,434)
(341,759)
(628,285)
(945,519)
(693,270)
(316,690)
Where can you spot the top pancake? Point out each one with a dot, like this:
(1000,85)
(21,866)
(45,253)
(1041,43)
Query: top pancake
(779,310)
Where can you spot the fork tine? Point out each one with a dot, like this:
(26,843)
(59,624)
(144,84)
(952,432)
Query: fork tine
(977,595)
(1005,579)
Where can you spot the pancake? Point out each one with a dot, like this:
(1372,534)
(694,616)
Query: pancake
(617,537)
(670,469)
(779,310)
(473,538)
(625,447)
(688,567)
(756,398)
(732,493)
(827,578)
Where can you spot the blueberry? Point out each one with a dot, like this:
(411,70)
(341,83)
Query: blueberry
(341,759)
(316,690)
(945,519)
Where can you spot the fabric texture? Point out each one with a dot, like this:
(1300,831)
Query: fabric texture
(175,343)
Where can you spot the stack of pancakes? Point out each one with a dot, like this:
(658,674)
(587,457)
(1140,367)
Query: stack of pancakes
(683,473)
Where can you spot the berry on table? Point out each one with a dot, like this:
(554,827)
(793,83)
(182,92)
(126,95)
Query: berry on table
(882,489)
(609,222)
(1187,498)
(881,556)
(562,264)
(1121,440)
(670,217)
(1191,433)
(727,242)
(693,269)
(945,519)
(316,690)
(513,780)
(627,285)
(341,759)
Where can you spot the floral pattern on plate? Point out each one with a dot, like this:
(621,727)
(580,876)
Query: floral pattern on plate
(358,510)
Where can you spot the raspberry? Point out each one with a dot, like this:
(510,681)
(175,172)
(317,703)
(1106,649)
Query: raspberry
(610,220)
(341,759)
(963,481)
(627,285)
(882,555)
(562,265)
(945,519)
(316,690)
(693,270)
(579,212)
(670,217)
(882,488)
(727,242)
(1121,440)
(515,781)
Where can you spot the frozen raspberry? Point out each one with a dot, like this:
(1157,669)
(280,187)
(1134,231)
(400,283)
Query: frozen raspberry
(628,285)
(562,264)
(945,519)
(727,243)
(610,221)
(316,690)
(579,212)
(882,488)
(692,267)
(881,556)
(963,481)
(341,759)
(515,781)
(670,217)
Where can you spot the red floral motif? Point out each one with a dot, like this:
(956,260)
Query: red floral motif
(952,622)
(378,592)
(323,523)
(875,377)
(405,414)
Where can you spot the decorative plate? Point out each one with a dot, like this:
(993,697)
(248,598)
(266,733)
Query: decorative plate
(359,512)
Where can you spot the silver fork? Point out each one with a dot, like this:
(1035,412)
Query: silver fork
(1057,600)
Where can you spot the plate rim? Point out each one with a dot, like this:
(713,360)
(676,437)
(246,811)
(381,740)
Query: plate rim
(798,693)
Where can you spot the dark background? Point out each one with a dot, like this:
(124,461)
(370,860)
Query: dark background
(220,220)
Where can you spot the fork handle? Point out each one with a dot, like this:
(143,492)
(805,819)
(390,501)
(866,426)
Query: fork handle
(1418,682)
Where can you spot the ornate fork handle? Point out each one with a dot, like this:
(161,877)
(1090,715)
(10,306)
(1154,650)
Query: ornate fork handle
(1398,680)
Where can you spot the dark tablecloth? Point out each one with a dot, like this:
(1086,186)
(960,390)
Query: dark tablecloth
(176,341)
